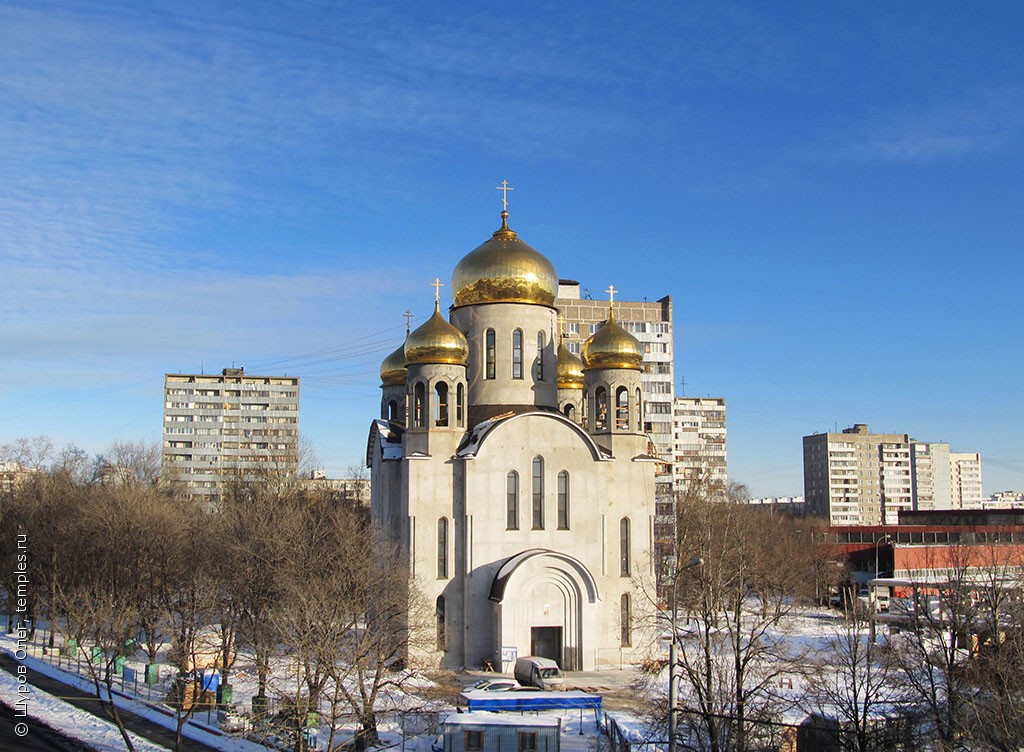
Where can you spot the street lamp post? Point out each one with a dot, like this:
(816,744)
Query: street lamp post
(673,689)
(872,598)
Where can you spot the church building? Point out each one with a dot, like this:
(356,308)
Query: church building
(515,476)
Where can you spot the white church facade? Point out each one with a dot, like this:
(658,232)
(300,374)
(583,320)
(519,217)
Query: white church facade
(515,476)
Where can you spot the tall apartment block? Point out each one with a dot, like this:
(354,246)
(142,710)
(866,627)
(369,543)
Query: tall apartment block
(860,478)
(231,425)
(965,480)
(699,446)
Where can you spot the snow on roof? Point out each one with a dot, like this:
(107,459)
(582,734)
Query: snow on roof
(389,440)
(483,718)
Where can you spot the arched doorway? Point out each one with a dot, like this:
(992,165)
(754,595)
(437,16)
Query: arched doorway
(544,603)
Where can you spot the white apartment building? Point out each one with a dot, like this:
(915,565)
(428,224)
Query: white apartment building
(860,478)
(699,441)
(218,427)
(965,480)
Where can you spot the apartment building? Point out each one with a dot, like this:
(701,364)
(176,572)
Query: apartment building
(699,441)
(860,478)
(218,427)
(856,477)
(965,480)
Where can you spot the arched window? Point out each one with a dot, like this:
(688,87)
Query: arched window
(419,405)
(624,547)
(442,548)
(538,493)
(639,411)
(460,404)
(512,501)
(563,500)
(517,354)
(392,412)
(622,409)
(570,411)
(601,408)
(625,621)
(489,356)
(441,404)
(442,643)
(540,356)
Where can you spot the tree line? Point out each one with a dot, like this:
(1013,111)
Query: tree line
(295,581)
(949,675)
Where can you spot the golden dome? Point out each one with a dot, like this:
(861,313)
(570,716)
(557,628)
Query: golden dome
(393,370)
(504,269)
(611,346)
(436,341)
(570,369)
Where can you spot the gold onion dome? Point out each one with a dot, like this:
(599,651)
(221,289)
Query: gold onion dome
(570,369)
(504,269)
(611,346)
(436,341)
(393,370)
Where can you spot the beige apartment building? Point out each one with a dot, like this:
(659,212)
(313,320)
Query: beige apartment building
(699,442)
(218,427)
(859,478)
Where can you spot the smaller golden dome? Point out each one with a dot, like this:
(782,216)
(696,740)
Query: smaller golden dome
(570,369)
(436,341)
(611,346)
(393,370)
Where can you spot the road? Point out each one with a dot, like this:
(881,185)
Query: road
(88,702)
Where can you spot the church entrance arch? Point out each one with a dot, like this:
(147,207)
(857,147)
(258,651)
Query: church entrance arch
(545,603)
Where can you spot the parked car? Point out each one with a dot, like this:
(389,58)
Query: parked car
(494,685)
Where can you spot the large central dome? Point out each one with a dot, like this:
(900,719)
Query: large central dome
(504,269)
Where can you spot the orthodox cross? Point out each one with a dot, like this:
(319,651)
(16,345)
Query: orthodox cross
(504,188)
(408,318)
(437,285)
(611,293)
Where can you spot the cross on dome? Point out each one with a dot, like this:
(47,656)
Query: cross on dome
(504,188)
(408,320)
(437,285)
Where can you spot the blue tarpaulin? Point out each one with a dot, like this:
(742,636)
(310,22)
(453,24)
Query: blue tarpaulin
(530,701)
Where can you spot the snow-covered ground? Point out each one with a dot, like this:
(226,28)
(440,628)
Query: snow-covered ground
(807,631)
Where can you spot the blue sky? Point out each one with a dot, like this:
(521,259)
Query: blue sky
(831,192)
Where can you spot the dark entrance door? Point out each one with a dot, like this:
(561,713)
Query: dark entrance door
(546,642)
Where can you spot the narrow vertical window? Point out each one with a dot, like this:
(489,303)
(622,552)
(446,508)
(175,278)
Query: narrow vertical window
(622,409)
(489,357)
(540,356)
(570,411)
(419,406)
(442,548)
(441,404)
(563,500)
(600,408)
(460,405)
(517,354)
(639,411)
(441,641)
(625,621)
(392,410)
(624,547)
(538,493)
(512,501)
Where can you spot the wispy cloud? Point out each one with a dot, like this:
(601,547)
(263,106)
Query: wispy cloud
(983,122)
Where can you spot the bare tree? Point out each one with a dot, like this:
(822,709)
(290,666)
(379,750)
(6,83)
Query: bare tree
(852,681)
(754,570)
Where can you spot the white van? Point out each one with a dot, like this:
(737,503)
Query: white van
(543,673)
